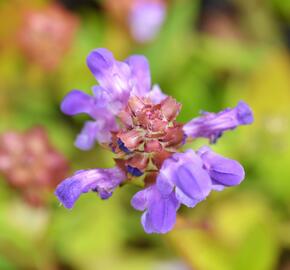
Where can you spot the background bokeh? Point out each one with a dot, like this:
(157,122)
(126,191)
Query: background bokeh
(208,55)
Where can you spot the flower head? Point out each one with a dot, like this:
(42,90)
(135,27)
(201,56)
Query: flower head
(138,124)
(46,35)
(30,163)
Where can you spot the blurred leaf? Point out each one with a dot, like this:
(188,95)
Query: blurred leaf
(166,54)
(90,234)
(6,265)
(240,227)
(258,250)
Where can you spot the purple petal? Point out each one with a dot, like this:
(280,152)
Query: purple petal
(100,62)
(99,130)
(106,124)
(156,95)
(186,200)
(140,200)
(244,113)
(222,170)
(140,72)
(146,223)
(217,186)
(76,102)
(185,171)
(164,182)
(166,178)
(192,184)
(114,77)
(103,181)
(212,125)
(160,214)
(86,139)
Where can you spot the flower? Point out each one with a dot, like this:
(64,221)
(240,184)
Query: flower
(212,125)
(46,35)
(145,19)
(138,124)
(102,181)
(117,82)
(30,163)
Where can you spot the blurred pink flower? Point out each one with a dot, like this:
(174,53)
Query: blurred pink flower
(30,163)
(47,34)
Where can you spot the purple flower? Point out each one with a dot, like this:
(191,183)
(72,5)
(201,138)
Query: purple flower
(146,19)
(212,125)
(224,172)
(184,173)
(160,210)
(117,82)
(102,181)
(139,125)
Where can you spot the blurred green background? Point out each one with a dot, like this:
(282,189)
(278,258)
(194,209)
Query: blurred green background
(209,54)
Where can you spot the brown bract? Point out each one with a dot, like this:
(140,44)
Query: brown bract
(30,163)
(148,135)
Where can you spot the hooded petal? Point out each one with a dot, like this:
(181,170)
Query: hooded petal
(112,75)
(212,125)
(76,102)
(185,171)
(223,171)
(101,62)
(103,181)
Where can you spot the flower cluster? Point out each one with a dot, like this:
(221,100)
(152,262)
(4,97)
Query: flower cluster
(138,123)
(46,35)
(30,163)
